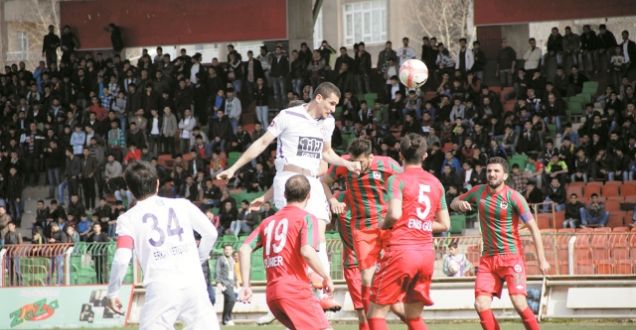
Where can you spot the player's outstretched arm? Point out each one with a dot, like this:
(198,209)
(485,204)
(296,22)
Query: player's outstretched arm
(252,152)
(538,244)
(442,221)
(311,257)
(332,158)
(245,255)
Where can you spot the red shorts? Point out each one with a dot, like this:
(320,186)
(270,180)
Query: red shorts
(367,243)
(403,275)
(303,311)
(354,283)
(493,270)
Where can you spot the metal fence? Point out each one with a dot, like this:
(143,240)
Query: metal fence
(569,252)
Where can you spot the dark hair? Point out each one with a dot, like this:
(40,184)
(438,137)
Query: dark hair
(359,147)
(413,148)
(326,89)
(297,188)
(141,178)
(500,161)
(452,245)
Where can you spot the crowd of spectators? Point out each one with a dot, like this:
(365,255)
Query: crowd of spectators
(75,124)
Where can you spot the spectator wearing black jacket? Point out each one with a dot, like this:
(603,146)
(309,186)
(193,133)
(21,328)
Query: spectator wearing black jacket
(14,195)
(573,212)
(279,74)
(362,69)
(220,132)
(50,44)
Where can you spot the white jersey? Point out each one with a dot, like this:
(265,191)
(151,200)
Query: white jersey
(162,232)
(301,138)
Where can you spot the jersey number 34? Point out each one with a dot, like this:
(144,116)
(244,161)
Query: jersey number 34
(173,228)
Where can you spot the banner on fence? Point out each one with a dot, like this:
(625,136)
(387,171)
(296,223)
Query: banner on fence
(59,307)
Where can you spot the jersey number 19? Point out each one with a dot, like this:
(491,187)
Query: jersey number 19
(276,231)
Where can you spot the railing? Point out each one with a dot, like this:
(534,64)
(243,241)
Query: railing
(582,252)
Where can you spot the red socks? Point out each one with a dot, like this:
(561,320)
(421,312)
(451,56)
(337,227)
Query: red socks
(363,326)
(416,324)
(376,323)
(366,298)
(488,321)
(529,320)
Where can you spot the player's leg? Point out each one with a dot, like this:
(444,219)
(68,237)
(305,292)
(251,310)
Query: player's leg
(319,208)
(367,245)
(353,280)
(377,316)
(527,315)
(304,313)
(159,310)
(486,316)
(514,271)
(276,309)
(487,284)
(387,288)
(413,312)
(197,312)
(418,292)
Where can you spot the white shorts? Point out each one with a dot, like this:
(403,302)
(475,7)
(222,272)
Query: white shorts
(163,306)
(317,204)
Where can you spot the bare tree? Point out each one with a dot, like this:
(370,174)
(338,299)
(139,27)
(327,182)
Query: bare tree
(447,20)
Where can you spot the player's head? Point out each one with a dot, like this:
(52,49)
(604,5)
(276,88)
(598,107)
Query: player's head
(326,97)
(496,172)
(413,149)
(361,151)
(142,179)
(297,190)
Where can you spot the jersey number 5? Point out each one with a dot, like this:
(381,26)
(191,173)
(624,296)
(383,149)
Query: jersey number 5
(424,200)
(173,227)
(279,233)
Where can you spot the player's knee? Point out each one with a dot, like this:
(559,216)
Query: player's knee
(519,302)
(481,304)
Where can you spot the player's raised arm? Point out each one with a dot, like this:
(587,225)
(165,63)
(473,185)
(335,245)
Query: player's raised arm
(332,158)
(255,149)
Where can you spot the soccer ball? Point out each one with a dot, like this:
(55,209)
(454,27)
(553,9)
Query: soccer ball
(413,73)
(453,268)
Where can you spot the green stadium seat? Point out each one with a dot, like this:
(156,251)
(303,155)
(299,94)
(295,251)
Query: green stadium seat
(590,87)
(370,98)
(519,159)
(458,223)
(232,157)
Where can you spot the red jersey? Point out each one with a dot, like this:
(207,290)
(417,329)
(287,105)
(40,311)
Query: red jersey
(366,193)
(422,197)
(281,236)
(499,215)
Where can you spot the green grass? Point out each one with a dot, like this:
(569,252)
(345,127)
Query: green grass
(578,325)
